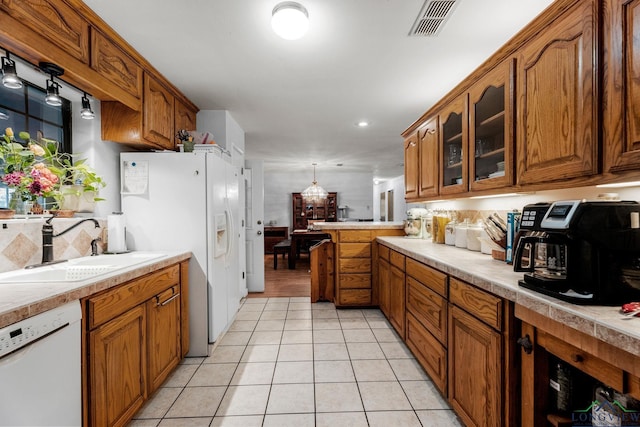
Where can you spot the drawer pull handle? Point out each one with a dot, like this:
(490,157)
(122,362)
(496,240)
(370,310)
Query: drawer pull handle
(525,343)
(162,304)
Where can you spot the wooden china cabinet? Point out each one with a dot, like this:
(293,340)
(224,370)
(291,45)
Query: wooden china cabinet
(302,210)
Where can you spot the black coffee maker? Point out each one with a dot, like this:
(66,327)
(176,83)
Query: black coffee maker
(585,252)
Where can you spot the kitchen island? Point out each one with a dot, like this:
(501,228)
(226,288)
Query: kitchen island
(464,316)
(349,274)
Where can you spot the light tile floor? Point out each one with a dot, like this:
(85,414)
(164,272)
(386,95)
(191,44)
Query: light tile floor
(287,362)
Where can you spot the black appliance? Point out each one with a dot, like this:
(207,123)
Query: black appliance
(585,252)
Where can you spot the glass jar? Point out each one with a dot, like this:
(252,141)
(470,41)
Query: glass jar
(450,233)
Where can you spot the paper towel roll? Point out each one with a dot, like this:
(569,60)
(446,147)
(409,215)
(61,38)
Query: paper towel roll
(116,226)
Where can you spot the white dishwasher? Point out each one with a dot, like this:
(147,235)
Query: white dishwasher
(40,377)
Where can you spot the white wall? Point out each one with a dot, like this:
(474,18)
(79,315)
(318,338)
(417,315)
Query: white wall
(227,133)
(354,190)
(399,204)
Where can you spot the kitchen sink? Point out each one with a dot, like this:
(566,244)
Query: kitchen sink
(78,269)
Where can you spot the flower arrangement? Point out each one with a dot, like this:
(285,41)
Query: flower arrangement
(35,168)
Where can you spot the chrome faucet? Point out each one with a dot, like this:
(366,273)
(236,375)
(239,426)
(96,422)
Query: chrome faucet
(47,237)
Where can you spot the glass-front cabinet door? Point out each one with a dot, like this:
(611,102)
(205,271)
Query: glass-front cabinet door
(453,131)
(491,129)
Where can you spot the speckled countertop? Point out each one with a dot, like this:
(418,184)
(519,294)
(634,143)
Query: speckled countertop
(358,225)
(22,300)
(604,323)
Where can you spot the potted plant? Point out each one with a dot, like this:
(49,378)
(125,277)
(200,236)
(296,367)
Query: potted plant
(35,168)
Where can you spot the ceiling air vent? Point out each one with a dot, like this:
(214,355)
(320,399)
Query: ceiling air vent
(432,16)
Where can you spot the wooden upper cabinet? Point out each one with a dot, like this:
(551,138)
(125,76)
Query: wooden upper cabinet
(453,147)
(411,166)
(158,114)
(185,118)
(491,129)
(621,136)
(112,63)
(557,124)
(428,152)
(55,21)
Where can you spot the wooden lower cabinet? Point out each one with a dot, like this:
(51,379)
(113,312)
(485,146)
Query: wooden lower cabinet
(475,370)
(163,331)
(397,292)
(118,368)
(354,271)
(547,343)
(461,335)
(429,352)
(383,285)
(134,340)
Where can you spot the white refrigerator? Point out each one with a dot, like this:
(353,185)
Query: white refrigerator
(189,202)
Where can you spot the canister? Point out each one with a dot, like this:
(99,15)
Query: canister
(461,234)
(474,232)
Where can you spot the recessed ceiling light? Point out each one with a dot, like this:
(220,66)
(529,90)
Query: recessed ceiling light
(362,124)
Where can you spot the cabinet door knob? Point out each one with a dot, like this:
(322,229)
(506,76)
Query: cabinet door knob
(259,232)
(577,358)
(259,222)
(525,343)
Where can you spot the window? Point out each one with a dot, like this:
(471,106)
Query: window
(27,111)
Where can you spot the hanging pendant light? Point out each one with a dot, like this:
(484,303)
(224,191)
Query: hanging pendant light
(314,193)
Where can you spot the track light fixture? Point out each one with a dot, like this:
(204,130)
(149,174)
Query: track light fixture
(86,112)
(10,78)
(53,88)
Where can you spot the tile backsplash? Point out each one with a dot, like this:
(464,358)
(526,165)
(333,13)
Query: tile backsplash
(21,240)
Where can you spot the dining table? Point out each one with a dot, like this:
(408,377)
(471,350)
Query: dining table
(299,238)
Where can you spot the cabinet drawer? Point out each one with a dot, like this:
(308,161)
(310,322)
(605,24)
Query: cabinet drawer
(597,368)
(355,250)
(397,259)
(355,265)
(354,297)
(383,252)
(355,236)
(355,281)
(430,277)
(479,303)
(116,301)
(431,355)
(429,308)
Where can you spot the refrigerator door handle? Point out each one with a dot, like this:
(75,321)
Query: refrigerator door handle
(230,231)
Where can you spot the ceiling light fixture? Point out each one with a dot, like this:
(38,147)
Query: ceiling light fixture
(53,88)
(314,193)
(362,124)
(10,78)
(290,20)
(86,112)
